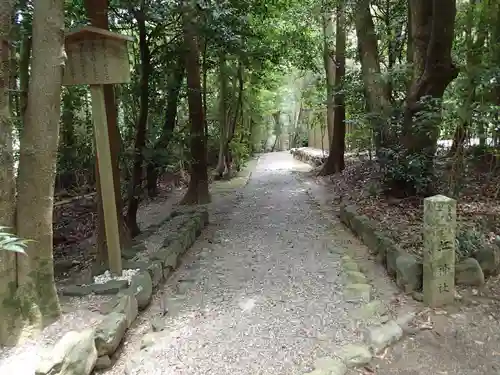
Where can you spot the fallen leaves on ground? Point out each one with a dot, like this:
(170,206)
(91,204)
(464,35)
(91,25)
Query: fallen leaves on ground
(402,219)
(74,225)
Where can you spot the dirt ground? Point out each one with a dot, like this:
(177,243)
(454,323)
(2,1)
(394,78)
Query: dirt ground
(461,340)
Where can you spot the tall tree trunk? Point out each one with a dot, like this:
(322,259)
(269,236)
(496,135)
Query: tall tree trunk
(67,151)
(14,98)
(329,65)
(335,162)
(222,167)
(375,87)
(197,192)
(474,51)
(409,37)
(174,86)
(233,123)
(8,267)
(97,12)
(24,75)
(141,125)
(496,58)
(409,48)
(433,32)
(37,162)
(204,86)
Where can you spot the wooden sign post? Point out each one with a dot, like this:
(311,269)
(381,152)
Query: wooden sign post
(98,57)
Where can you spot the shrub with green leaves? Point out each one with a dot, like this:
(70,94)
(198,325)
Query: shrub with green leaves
(468,241)
(9,242)
(400,168)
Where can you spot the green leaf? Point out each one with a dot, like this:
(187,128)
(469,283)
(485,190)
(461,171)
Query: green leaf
(14,247)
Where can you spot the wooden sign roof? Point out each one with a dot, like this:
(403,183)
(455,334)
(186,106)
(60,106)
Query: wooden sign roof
(91,32)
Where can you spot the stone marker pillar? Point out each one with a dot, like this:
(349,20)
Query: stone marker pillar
(440,221)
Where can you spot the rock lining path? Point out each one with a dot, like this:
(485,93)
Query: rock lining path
(261,292)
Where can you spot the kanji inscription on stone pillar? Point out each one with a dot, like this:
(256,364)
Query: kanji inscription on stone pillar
(440,222)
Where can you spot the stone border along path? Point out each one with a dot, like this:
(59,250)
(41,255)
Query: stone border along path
(377,335)
(406,269)
(311,156)
(79,353)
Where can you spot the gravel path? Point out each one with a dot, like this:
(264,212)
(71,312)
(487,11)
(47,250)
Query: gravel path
(259,294)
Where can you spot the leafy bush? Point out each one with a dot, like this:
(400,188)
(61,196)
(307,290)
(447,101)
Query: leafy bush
(402,169)
(360,137)
(9,242)
(240,152)
(468,241)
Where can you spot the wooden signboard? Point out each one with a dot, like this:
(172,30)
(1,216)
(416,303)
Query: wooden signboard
(98,57)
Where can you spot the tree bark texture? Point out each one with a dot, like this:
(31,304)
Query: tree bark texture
(141,126)
(233,123)
(335,162)
(376,91)
(24,66)
(37,163)
(433,31)
(329,65)
(222,167)
(197,192)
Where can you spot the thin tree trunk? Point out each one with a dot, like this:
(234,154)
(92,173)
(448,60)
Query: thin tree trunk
(204,87)
(197,192)
(174,87)
(232,125)
(409,48)
(221,168)
(335,162)
(24,65)
(329,65)
(409,38)
(141,126)
(496,58)
(37,163)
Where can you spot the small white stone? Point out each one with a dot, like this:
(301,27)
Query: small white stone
(107,276)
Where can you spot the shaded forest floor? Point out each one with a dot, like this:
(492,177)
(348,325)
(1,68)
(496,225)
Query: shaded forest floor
(75,220)
(478,204)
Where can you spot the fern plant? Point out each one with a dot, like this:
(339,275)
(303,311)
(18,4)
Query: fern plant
(9,242)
